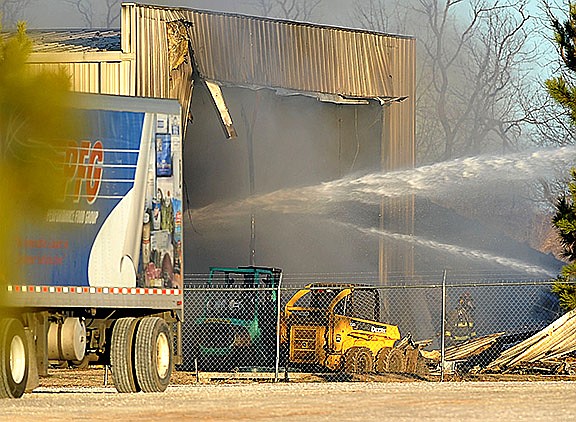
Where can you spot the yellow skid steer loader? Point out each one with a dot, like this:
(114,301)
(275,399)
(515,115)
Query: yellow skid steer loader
(337,326)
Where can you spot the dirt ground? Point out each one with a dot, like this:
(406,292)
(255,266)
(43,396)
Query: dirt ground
(81,395)
(96,377)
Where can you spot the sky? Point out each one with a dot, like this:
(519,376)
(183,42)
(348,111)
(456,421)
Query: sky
(46,14)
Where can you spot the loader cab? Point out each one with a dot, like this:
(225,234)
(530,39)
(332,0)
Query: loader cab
(318,300)
(360,303)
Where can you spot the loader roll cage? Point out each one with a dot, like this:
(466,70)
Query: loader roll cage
(326,299)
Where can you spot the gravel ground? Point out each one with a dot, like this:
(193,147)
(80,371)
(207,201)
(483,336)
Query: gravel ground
(295,401)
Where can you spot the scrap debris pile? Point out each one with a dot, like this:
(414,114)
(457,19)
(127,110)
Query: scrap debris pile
(546,351)
(549,351)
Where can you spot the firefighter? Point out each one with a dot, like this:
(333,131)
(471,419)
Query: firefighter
(460,327)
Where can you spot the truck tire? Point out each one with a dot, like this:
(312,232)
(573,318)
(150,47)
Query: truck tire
(14,358)
(153,355)
(122,355)
(358,360)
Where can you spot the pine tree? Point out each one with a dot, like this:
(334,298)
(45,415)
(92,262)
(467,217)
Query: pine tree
(559,88)
(563,91)
(33,129)
(565,222)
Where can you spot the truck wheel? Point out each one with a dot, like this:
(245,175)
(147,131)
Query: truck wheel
(13,358)
(122,355)
(358,360)
(153,354)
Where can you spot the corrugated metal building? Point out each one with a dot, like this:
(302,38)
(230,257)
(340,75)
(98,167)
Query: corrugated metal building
(166,52)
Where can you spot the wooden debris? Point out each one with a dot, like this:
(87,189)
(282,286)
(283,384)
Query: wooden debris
(465,350)
(472,347)
(545,348)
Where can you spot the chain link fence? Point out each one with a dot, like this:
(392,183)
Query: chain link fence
(352,323)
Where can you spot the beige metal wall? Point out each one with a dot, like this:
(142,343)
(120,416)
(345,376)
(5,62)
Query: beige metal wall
(100,74)
(257,52)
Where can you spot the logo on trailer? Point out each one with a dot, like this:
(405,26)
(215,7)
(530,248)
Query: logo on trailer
(83,169)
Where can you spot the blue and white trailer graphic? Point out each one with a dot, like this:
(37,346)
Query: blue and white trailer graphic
(101,279)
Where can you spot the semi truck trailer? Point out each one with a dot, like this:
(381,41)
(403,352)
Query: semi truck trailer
(100,277)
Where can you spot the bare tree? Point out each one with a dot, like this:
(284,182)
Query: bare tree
(477,92)
(471,75)
(380,15)
(471,72)
(11,12)
(97,13)
(298,10)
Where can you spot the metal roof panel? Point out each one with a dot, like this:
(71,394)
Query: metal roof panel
(75,40)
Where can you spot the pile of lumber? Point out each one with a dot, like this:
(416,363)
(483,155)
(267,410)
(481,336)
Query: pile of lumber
(462,351)
(546,349)
(471,348)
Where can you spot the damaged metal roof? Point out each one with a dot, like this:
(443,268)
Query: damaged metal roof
(252,51)
(75,40)
(553,342)
(259,52)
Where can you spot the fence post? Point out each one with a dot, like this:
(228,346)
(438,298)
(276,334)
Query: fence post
(278,315)
(443,333)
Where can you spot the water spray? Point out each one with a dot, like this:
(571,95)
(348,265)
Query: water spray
(432,182)
(455,250)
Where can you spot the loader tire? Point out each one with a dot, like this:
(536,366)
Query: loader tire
(381,364)
(358,360)
(396,361)
(411,357)
(422,368)
(14,359)
(122,355)
(153,355)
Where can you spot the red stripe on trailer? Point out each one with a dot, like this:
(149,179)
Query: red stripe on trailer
(94,290)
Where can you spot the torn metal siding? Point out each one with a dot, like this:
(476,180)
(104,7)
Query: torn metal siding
(258,52)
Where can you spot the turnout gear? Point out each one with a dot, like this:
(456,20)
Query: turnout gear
(461,324)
